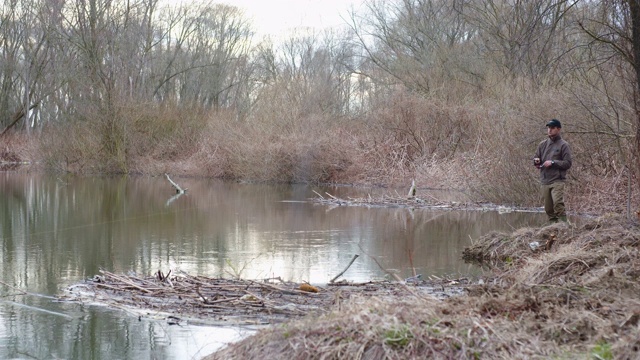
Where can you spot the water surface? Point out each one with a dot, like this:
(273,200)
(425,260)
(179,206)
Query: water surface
(59,230)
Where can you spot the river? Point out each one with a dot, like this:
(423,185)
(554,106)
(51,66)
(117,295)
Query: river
(59,230)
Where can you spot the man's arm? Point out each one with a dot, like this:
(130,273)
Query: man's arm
(538,156)
(539,151)
(565,154)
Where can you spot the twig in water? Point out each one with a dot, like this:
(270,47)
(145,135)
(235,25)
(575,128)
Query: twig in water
(204,299)
(37,309)
(179,190)
(121,279)
(402,283)
(333,197)
(317,193)
(23,292)
(345,269)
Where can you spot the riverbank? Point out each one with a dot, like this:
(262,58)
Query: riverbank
(573,300)
(571,296)
(375,149)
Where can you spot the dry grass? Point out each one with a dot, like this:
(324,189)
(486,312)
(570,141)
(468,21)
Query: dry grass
(482,146)
(577,300)
(16,148)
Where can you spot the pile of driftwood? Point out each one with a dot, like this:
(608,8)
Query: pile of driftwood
(386,201)
(414,202)
(180,298)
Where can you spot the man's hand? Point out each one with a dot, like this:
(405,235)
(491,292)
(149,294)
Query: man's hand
(547,163)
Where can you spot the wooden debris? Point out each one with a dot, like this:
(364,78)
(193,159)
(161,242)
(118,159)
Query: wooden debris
(179,190)
(345,269)
(415,202)
(224,301)
(552,239)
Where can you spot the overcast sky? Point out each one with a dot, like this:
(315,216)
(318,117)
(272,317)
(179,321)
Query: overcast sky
(273,17)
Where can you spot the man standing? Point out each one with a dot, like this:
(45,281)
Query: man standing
(553,158)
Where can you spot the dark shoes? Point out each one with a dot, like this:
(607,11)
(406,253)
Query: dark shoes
(560,218)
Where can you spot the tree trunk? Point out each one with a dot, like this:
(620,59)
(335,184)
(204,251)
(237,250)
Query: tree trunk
(16,117)
(634,8)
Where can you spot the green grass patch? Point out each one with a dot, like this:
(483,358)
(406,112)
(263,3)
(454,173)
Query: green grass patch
(398,337)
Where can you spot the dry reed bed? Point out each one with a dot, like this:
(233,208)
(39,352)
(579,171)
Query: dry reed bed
(576,299)
(182,297)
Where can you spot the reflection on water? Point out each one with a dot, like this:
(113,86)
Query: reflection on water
(56,231)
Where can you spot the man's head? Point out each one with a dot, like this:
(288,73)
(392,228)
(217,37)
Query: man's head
(553,127)
(554,123)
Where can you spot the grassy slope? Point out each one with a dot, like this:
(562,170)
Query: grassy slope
(577,300)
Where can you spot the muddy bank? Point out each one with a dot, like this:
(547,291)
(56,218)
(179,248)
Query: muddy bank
(572,296)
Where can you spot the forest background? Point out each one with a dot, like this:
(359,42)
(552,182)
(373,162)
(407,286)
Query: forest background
(453,94)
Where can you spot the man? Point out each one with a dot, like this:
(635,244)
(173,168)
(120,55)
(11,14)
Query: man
(553,158)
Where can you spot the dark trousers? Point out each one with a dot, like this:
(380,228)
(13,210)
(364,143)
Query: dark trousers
(553,195)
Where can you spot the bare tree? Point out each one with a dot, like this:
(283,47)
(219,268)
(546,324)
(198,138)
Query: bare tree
(28,53)
(204,47)
(522,37)
(412,40)
(10,44)
(615,24)
(309,73)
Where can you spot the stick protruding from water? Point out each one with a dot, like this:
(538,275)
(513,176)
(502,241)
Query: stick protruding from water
(345,269)
(179,190)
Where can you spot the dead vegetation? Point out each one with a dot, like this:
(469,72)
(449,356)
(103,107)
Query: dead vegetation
(183,298)
(441,144)
(574,299)
(424,201)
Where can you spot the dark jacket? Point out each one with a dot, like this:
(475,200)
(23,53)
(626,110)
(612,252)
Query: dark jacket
(557,150)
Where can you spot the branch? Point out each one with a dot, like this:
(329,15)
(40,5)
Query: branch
(602,133)
(16,117)
(179,190)
(345,269)
(616,47)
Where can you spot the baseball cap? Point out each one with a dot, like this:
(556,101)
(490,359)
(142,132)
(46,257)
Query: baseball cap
(554,123)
